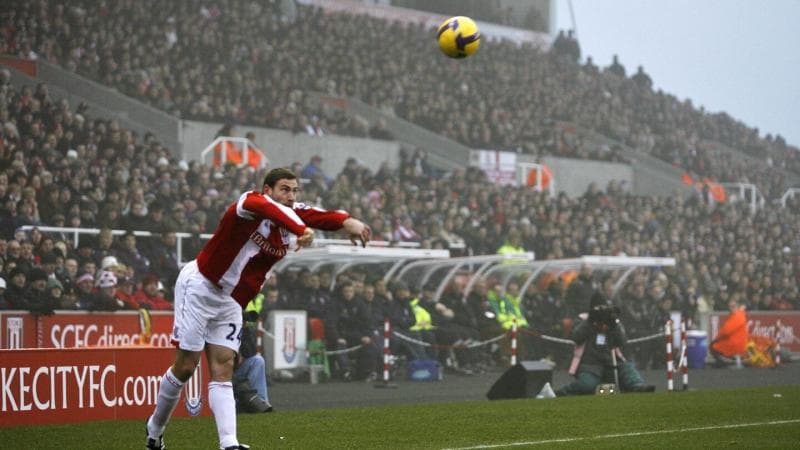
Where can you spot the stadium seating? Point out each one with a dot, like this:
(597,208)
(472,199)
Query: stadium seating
(511,104)
(60,165)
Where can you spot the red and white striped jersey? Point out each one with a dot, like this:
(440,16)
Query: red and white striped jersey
(252,236)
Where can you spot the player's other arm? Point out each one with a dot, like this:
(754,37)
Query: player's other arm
(334,220)
(259,206)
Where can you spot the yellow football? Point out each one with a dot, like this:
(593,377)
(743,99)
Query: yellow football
(459,37)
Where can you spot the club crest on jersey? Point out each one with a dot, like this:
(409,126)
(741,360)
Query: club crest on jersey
(263,243)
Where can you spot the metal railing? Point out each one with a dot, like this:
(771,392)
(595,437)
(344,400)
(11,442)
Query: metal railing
(789,194)
(216,153)
(745,192)
(76,233)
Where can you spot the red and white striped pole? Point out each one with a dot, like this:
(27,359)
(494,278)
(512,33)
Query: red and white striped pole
(684,361)
(514,343)
(668,357)
(386,351)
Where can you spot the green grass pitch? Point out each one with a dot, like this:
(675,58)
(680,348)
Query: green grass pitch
(767,417)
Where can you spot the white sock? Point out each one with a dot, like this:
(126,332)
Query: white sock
(168,394)
(223,405)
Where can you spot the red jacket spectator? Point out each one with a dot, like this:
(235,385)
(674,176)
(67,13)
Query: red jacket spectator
(125,293)
(149,297)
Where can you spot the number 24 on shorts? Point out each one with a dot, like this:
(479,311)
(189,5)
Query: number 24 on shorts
(233,332)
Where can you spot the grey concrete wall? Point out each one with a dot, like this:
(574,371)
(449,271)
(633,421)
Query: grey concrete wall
(75,89)
(573,176)
(648,180)
(652,176)
(443,152)
(284,148)
(110,103)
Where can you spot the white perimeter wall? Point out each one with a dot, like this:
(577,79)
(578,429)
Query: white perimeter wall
(573,176)
(284,148)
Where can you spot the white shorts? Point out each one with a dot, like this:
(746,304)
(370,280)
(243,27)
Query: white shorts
(203,313)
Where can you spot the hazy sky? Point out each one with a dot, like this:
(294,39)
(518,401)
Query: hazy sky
(737,56)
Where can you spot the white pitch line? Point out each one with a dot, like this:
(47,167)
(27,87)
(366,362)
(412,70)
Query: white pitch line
(635,433)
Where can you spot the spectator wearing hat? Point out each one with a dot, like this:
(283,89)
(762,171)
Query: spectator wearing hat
(109,263)
(55,293)
(162,290)
(48,263)
(149,297)
(104,298)
(15,293)
(36,298)
(124,292)
(85,290)
(60,248)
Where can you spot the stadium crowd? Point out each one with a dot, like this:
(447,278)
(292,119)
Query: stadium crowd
(60,167)
(203,62)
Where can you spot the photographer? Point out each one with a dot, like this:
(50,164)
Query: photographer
(592,364)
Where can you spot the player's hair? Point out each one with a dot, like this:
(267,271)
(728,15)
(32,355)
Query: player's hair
(277,174)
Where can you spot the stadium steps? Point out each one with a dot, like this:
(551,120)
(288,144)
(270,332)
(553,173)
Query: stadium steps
(651,176)
(443,152)
(104,102)
(792,178)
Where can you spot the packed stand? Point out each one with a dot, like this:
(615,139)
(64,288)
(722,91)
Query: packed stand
(722,249)
(60,167)
(508,97)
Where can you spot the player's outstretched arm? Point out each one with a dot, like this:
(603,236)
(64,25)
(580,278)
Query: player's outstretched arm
(321,219)
(357,230)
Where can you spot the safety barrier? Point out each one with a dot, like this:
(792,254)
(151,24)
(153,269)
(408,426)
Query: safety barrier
(683,362)
(512,334)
